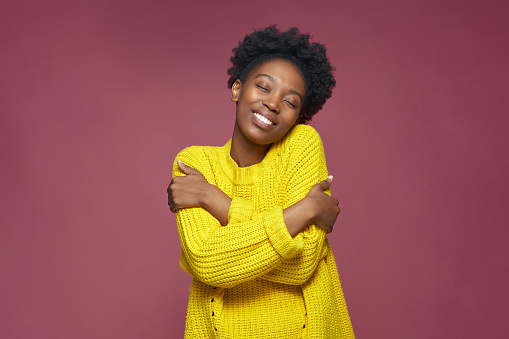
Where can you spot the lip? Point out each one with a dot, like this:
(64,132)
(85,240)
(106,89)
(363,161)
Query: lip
(260,123)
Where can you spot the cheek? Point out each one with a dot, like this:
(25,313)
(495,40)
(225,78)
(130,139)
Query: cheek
(249,94)
(288,124)
(293,119)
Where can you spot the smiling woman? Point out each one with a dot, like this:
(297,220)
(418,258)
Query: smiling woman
(253,215)
(268,105)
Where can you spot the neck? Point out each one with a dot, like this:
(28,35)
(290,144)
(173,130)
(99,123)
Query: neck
(244,152)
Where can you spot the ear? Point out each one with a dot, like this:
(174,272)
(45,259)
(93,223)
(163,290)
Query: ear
(236,90)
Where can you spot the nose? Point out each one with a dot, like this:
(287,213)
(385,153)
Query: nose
(271,102)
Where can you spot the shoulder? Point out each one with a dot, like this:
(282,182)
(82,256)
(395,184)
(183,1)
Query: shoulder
(302,155)
(191,152)
(197,157)
(302,138)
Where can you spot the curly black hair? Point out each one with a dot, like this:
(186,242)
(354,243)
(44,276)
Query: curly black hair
(270,43)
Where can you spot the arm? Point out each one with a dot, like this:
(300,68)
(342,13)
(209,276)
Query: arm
(225,256)
(307,167)
(298,215)
(193,190)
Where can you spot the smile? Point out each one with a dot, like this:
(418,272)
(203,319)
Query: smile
(263,119)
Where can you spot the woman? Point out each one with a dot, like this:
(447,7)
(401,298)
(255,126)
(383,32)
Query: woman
(253,215)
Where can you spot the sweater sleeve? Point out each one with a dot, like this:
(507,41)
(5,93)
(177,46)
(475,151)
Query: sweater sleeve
(248,247)
(306,167)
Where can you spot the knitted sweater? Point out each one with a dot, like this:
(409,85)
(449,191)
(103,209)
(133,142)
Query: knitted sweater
(251,279)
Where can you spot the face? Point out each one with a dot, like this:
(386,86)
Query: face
(268,101)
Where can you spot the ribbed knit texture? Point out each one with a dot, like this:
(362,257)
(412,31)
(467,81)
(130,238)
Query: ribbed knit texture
(251,279)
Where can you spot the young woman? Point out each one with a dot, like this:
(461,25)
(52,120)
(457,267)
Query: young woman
(253,215)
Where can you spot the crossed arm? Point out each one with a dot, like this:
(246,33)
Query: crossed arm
(193,190)
(281,245)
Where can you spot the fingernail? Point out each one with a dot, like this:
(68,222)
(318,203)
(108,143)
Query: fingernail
(330,177)
(179,162)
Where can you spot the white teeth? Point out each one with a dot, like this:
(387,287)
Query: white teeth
(263,119)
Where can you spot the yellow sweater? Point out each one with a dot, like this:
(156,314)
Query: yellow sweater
(251,279)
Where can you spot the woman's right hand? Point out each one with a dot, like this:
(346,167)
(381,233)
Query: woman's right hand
(325,209)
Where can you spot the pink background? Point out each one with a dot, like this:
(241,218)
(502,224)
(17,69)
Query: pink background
(97,97)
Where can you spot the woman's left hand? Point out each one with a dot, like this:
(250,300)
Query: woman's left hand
(188,190)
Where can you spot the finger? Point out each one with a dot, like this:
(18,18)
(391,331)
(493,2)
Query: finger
(184,168)
(172,204)
(326,183)
(170,200)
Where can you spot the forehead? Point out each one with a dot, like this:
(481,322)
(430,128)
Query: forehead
(283,72)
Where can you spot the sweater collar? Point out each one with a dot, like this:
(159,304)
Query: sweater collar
(245,175)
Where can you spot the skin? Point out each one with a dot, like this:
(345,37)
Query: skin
(275,89)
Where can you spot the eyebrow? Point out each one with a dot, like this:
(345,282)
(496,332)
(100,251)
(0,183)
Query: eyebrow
(274,80)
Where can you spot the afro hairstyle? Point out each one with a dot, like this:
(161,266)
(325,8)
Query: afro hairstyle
(270,43)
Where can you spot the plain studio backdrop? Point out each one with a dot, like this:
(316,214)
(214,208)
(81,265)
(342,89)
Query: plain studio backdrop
(97,98)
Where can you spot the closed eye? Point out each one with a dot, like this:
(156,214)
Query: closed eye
(291,104)
(262,88)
